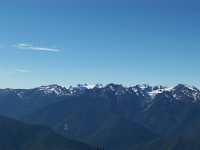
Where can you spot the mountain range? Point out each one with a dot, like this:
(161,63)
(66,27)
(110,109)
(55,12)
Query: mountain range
(112,116)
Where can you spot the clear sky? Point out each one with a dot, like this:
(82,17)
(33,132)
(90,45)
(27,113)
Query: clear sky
(99,41)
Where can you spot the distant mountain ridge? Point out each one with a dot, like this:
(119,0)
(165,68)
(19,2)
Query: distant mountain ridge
(144,90)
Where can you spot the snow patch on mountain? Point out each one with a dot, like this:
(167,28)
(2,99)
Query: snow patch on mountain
(159,89)
(83,87)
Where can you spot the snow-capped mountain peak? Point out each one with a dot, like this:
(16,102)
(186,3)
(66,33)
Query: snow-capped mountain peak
(53,89)
(117,89)
(185,87)
(186,92)
(142,90)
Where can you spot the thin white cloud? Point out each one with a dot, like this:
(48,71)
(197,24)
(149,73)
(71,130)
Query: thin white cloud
(21,71)
(13,71)
(35,48)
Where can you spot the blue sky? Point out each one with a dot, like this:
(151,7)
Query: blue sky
(97,41)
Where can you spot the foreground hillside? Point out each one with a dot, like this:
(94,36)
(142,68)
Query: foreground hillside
(15,135)
(186,142)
